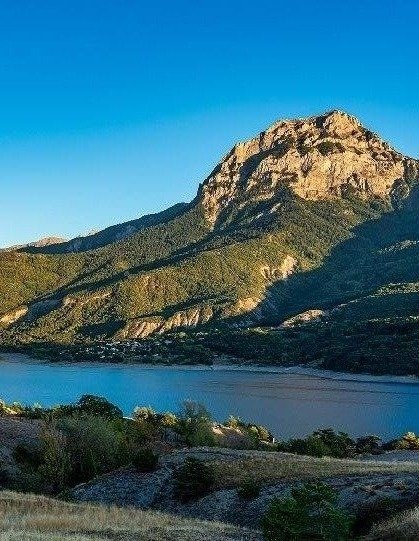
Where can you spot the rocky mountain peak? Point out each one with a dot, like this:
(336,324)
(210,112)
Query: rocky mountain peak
(40,243)
(317,157)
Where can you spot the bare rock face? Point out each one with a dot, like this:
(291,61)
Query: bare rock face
(191,317)
(316,158)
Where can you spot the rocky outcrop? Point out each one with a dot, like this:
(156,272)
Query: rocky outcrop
(285,269)
(14,315)
(305,317)
(317,158)
(144,327)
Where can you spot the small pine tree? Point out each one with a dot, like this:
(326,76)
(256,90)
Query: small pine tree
(309,513)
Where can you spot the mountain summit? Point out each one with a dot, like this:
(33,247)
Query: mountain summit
(317,158)
(313,218)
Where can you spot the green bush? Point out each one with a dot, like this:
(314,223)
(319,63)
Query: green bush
(193,480)
(145,460)
(145,414)
(195,425)
(97,405)
(325,442)
(368,444)
(147,422)
(309,513)
(55,468)
(309,446)
(94,444)
(256,433)
(249,490)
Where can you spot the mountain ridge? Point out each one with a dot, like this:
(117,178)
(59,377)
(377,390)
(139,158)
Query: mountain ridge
(334,124)
(276,208)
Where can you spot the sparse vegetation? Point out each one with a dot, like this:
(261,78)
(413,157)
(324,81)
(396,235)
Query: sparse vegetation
(267,468)
(78,442)
(81,445)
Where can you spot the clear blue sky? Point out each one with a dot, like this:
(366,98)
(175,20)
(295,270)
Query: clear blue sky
(112,109)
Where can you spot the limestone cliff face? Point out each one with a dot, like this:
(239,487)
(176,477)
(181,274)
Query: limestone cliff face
(317,158)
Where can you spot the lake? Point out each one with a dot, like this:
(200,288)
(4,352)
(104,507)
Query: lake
(290,404)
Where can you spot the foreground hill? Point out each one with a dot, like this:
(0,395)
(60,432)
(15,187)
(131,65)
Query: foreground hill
(314,216)
(36,518)
(148,477)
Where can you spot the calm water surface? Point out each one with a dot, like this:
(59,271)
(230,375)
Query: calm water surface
(290,404)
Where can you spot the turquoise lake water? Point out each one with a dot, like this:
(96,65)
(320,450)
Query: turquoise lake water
(289,404)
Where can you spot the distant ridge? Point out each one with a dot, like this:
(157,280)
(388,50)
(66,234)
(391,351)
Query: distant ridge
(106,236)
(40,243)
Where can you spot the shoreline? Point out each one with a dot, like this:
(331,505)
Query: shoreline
(299,370)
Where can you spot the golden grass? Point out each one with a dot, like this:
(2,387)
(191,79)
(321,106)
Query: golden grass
(403,526)
(26,517)
(276,467)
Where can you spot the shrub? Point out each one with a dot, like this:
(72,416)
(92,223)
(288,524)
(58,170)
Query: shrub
(94,444)
(147,422)
(233,422)
(310,446)
(145,460)
(4,410)
(368,444)
(133,434)
(168,420)
(309,513)
(408,442)
(96,405)
(339,443)
(259,432)
(193,480)
(195,424)
(324,442)
(145,414)
(249,490)
(55,468)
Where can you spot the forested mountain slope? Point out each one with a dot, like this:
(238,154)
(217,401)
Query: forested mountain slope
(315,215)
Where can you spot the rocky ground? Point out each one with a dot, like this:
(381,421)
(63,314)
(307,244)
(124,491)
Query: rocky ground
(14,431)
(359,484)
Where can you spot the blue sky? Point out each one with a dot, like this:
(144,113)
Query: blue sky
(112,109)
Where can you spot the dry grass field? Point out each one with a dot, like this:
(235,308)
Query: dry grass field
(269,468)
(36,518)
(404,526)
